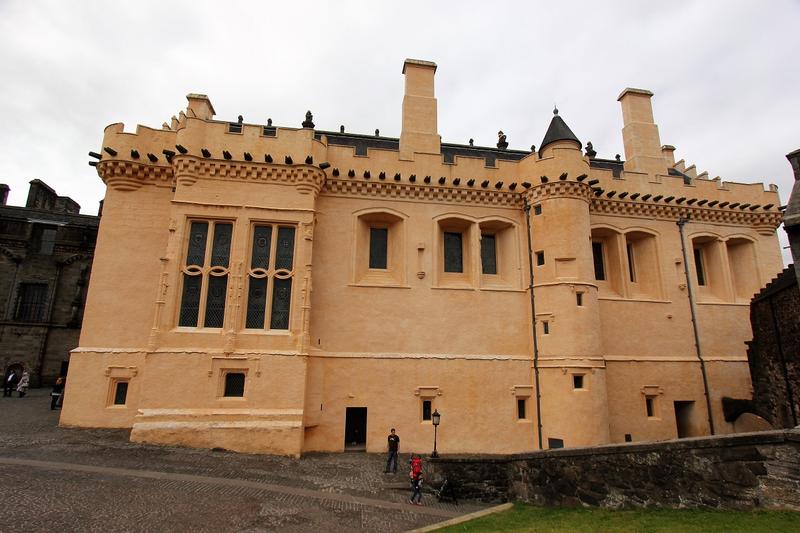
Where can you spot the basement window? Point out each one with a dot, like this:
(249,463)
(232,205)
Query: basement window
(234,385)
(121,393)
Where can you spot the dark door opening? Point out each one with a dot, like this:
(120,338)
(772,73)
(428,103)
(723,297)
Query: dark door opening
(355,429)
(683,419)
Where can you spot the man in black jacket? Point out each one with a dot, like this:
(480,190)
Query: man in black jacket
(394,446)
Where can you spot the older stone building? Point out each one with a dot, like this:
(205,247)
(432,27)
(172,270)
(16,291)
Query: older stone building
(774,352)
(47,249)
(277,289)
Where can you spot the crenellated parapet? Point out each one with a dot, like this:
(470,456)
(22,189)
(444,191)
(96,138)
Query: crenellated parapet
(762,220)
(122,175)
(308,179)
(560,189)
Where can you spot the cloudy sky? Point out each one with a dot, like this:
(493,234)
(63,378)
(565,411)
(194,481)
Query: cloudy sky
(724,74)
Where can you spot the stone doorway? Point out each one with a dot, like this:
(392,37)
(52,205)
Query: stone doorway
(684,419)
(355,429)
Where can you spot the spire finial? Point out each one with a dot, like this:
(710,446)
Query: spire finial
(555,109)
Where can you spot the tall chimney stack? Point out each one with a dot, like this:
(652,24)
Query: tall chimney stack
(640,134)
(420,132)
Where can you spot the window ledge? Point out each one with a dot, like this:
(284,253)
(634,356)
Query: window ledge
(383,285)
(644,300)
(502,289)
(455,287)
(734,304)
(273,332)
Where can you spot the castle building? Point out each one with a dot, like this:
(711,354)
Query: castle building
(46,251)
(286,290)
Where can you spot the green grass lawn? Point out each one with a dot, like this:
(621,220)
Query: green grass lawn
(529,518)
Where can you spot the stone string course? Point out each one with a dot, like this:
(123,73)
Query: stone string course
(745,471)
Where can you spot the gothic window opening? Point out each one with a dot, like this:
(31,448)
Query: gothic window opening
(270,277)
(31,302)
(205,274)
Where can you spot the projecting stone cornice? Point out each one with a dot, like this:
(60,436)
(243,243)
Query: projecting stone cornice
(307,179)
(764,222)
(124,175)
(422,192)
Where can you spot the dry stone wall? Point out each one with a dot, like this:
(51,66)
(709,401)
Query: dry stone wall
(754,470)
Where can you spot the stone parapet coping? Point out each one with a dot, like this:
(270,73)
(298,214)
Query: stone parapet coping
(738,439)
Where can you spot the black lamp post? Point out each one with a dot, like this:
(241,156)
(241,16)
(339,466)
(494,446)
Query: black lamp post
(435,418)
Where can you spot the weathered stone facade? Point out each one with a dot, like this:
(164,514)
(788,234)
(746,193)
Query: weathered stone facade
(46,251)
(774,352)
(754,470)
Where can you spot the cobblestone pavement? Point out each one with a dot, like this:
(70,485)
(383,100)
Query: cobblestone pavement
(55,478)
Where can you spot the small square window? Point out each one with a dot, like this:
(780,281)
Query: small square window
(545,327)
(521,411)
(577,381)
(426,409)
(120,393)
(628,437)
(537,209)
(234,385)
(539,258)
(579,298)
(233,127)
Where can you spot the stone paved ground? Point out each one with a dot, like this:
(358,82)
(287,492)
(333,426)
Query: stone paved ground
(63,479)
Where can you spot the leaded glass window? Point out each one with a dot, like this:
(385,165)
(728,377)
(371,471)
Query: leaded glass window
(234,384)
(205,274)
(270,277)
(489,254)
(453,261)
(378,251)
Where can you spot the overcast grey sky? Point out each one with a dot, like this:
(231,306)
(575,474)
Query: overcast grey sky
(724,74)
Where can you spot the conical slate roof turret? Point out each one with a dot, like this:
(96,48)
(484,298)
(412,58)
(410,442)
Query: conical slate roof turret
(558,131)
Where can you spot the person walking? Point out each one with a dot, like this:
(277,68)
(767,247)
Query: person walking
(416,480)
(10,383)
(394,447)
(24,381)
(58,390)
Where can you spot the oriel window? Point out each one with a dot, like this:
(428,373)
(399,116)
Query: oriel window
(205,274)
(270,276)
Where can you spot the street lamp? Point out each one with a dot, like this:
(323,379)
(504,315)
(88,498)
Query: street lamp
(435,418)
